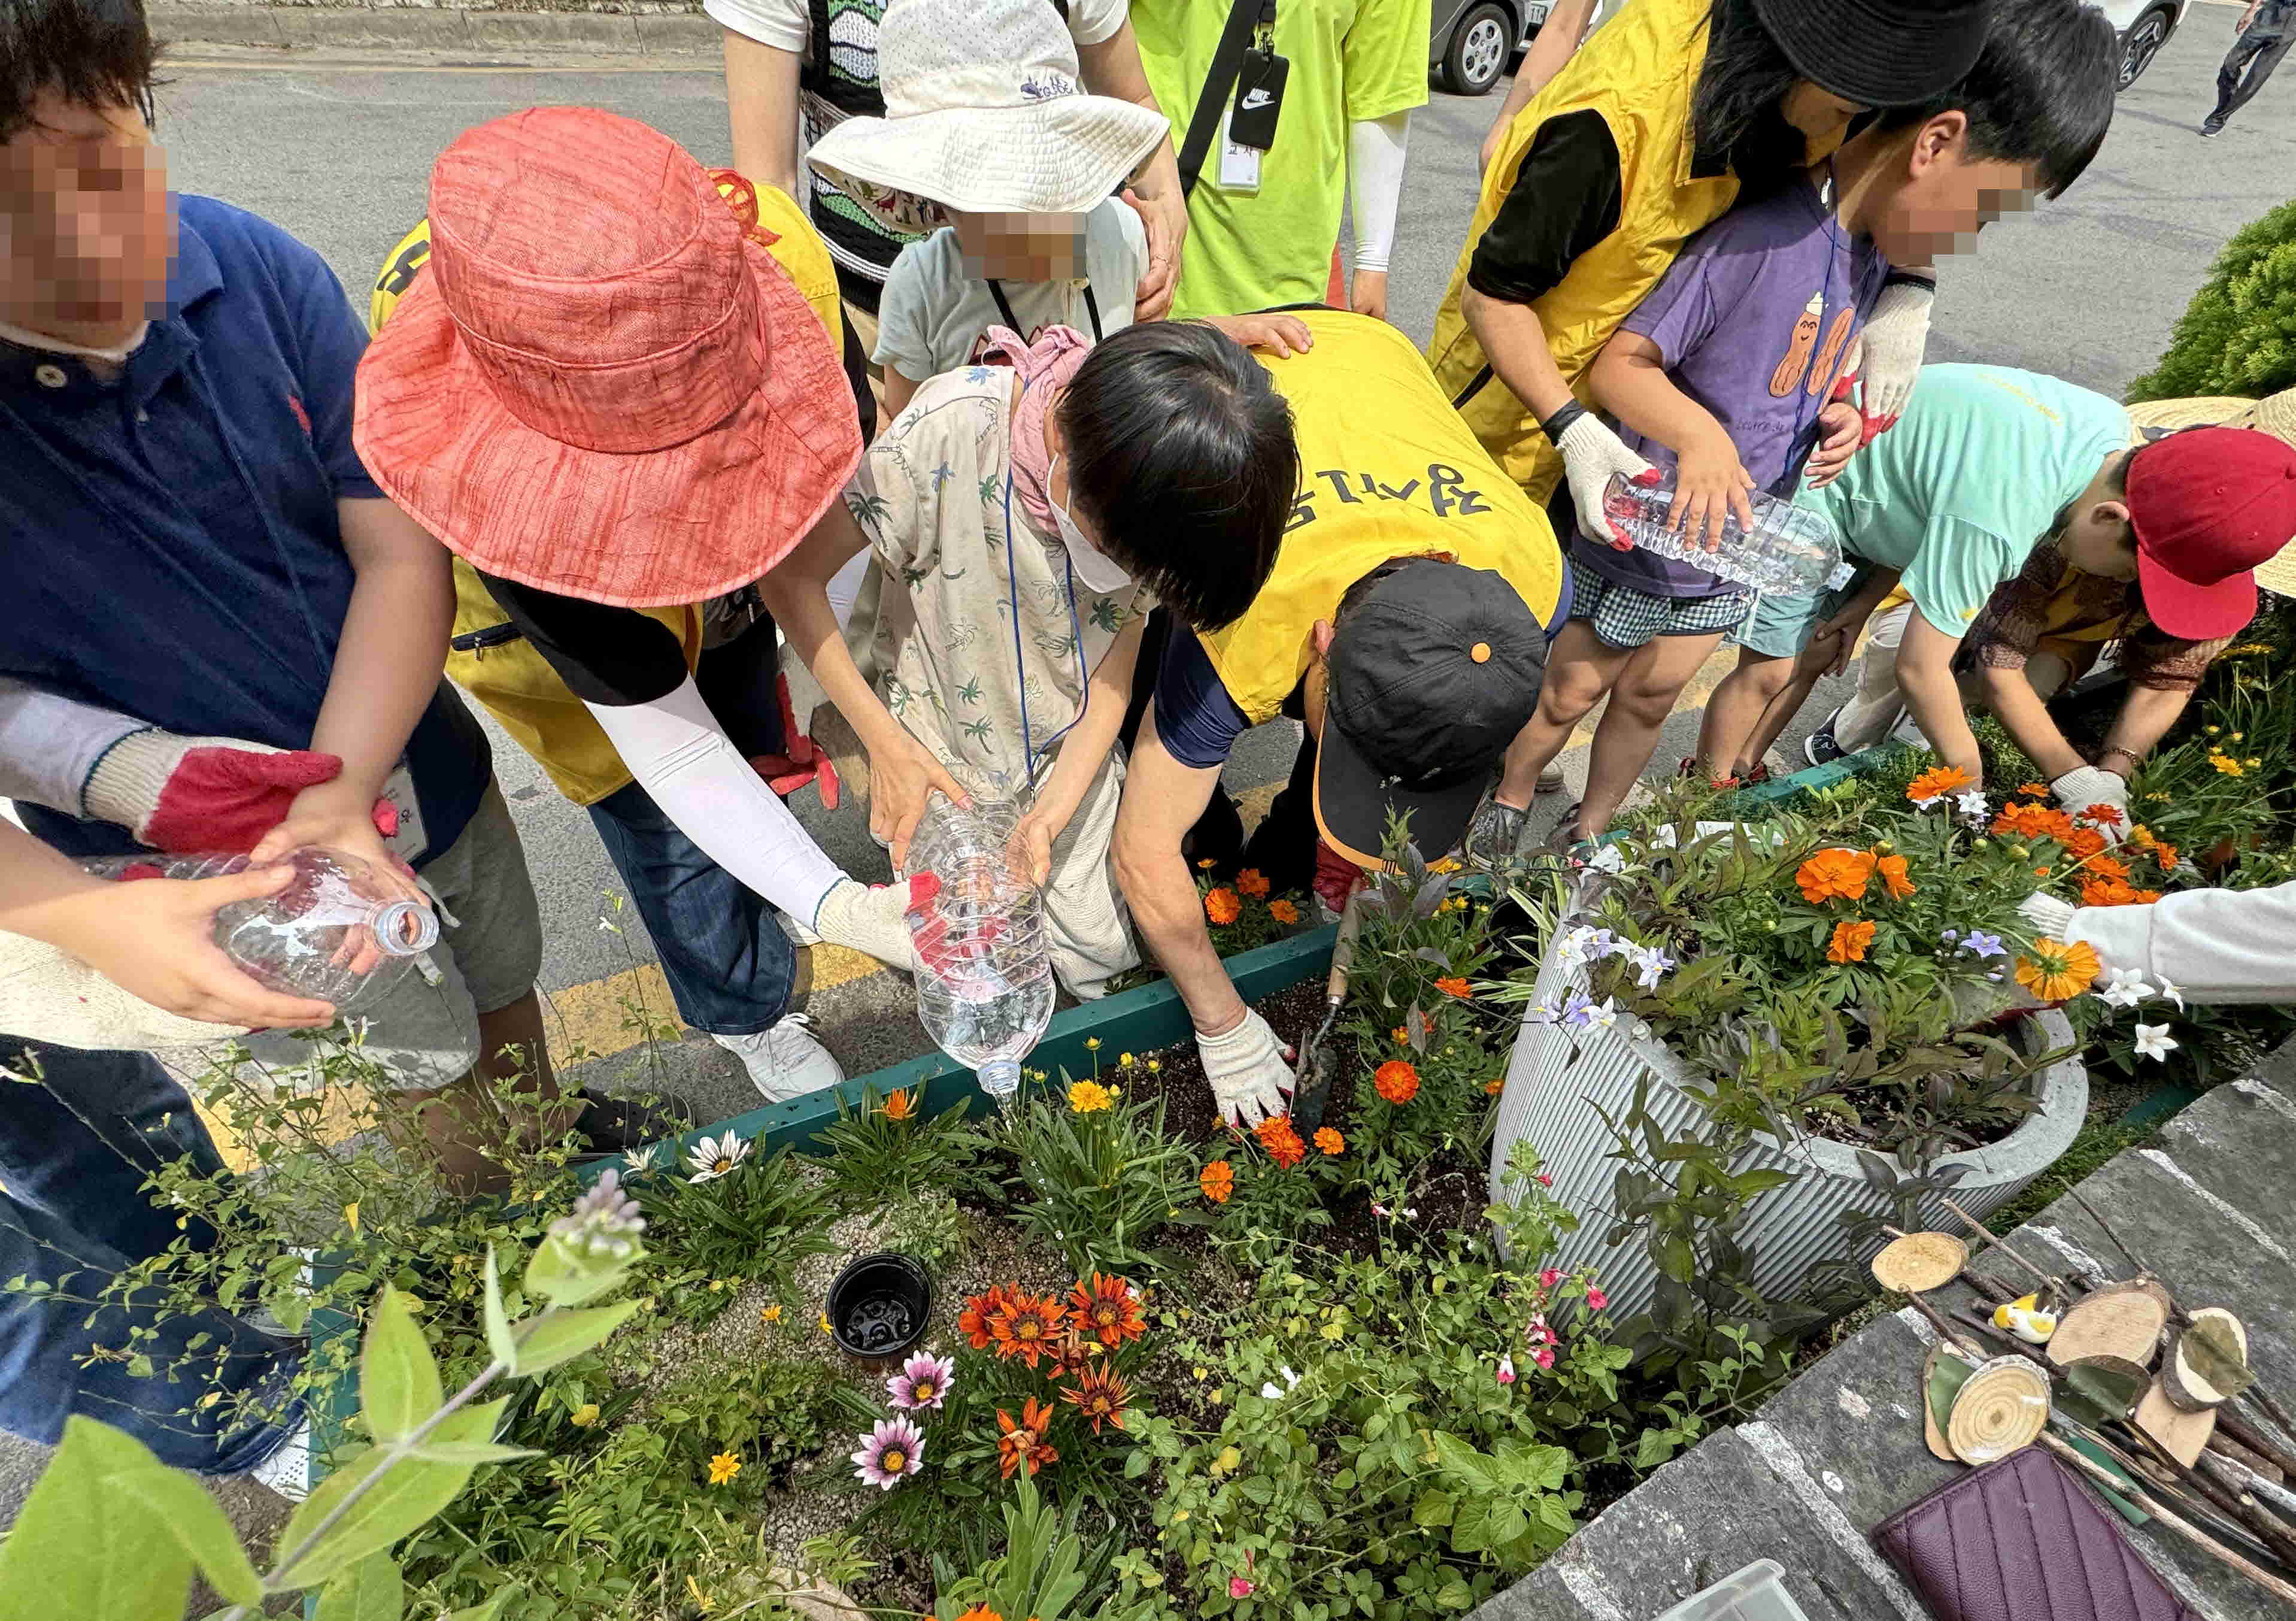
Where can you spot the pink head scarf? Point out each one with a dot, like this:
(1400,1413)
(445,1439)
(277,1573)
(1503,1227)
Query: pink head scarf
(1045,367)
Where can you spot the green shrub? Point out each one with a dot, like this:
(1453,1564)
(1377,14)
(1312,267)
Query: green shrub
(2238,335)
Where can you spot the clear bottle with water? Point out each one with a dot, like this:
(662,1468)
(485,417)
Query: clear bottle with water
(335,933)
(984,980)
(1791,549)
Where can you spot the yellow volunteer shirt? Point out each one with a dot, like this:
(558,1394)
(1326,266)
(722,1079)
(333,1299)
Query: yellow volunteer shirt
(1387,470)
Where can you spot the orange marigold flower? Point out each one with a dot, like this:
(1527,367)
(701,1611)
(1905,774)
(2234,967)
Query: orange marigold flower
(1251,882)
(1837,874)
(1029,1326)
(901,1105)
(2056,971)
(972,1321)
(1109,1310)
(1892,869)
(2106,891)
(1330,1141)
(1849,942)
(2104,816)
(1493,1087)
(2039,790)
(1282,1142)
(1221,906)
(1938,781)
(2101,866)
(2165,853)
(1023,1444)
(2145,897)
(2083,844)
(1456,985)
(980,1612)
(2036,822)
(1101,1395)
(1402,1036)
(1396,1081)
(1217,1179)
(1284,911)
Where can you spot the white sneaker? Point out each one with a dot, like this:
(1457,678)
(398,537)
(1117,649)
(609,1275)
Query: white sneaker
(786,1061)
(287,1472)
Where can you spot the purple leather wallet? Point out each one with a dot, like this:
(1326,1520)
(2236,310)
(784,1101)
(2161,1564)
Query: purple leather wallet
(2021,1540)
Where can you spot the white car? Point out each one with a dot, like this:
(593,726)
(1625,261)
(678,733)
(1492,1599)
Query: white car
(2143,27)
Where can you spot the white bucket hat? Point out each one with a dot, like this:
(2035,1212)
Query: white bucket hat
(984,113)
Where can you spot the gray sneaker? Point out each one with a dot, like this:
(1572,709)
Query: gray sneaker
(1494,833)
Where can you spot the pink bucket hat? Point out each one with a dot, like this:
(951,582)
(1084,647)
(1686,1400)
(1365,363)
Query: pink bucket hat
(601,386)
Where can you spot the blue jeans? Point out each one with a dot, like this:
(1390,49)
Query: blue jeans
(729,965)
(75,1147)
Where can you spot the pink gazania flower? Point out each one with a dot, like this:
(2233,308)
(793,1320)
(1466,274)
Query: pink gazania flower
(1549,1278)
(923,1382)
(1238,1588)
(893,1450)
(1507,1369)
(1544,1356)
(1596,1300)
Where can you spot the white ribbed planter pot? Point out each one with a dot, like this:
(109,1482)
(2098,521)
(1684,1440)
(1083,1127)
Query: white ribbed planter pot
(1557,1078)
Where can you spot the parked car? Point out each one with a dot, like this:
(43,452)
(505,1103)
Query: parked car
(2144,27)
(1473,43)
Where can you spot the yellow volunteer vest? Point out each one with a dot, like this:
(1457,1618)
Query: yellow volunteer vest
(1387,470)
(500,668)
(1639,72)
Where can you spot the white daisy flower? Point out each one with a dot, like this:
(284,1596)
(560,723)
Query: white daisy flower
(713,1157)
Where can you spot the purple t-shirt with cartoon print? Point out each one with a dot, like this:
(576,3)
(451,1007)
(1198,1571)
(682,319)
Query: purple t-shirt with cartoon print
(1754,321)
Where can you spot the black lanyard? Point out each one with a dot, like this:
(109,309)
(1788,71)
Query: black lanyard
(1004,308)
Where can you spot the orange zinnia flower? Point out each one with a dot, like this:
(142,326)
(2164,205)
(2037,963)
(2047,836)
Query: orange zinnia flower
(2106,891)
(1456,985)
(901,1105)
(1028,1327)
(1892,869)
(1850,943)
(1282,1142)
(1248,882)
(1023,1444)
(1330,1141)
(2104,816)
(2083,844)
(1221,906)
(972,1321)
(1100,1397)
(2102,866)
(1493,1087)
(980,1612)
(2056,971)
(1396,1081)
(1938,781)
(1284,911)
(1109,1310)
(2165,853)
(2039,790)
(2036,822)
(2145,897)
(1217,1179)
(1836,874)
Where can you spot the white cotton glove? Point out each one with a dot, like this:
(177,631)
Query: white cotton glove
(1249,1072)
(48,996)
(870,919)
(1894,336)
(2048,914)
(1591,454)
(2085,785)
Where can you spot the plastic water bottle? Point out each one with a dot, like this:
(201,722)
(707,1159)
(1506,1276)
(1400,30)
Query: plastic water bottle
(984,981)
(335,933)
(1792,549)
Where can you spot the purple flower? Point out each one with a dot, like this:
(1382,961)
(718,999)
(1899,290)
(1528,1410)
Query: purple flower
(1980,944)
(924,1380)
(894,1450)
(1652,963)
(1578,1010)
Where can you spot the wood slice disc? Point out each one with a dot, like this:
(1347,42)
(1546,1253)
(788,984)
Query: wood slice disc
(2003,1407)
(2183,1435)
(2121,1320)
(1920,1262)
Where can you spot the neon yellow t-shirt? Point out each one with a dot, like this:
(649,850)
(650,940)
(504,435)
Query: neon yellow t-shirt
(1351,60)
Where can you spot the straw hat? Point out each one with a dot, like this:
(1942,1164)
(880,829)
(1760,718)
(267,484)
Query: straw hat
(984,113)
(602,386)
(2275,413)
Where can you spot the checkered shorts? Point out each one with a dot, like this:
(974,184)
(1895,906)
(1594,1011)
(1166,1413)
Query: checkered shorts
(1625,617)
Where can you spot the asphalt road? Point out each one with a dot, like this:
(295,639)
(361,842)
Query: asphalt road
(340,153)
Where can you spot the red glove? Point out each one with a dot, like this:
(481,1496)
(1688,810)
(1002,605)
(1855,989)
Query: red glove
(184,795)
(1335,876)
(1846,388)
(803,761)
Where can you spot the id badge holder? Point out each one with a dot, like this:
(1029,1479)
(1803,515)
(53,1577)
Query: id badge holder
(409,840)
(1252,122)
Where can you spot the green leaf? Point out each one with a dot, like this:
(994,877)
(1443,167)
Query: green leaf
(487,1611)
(561,1336)
(78,1549)
(409,1493)
(499,1343)
(398,1381)
(2216,1354)
(565,1279)
(1433,1509)
(1455,1594)
(471,1451)
(181,1504)
(370,1590)
(1948,1375)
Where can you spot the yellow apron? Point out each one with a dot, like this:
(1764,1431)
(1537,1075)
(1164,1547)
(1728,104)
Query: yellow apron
(1387,470)
(488,658)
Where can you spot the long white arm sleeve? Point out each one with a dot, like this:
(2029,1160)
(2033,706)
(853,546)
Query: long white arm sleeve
(1375,151)
(675,747)
(2214,945)
(49,746)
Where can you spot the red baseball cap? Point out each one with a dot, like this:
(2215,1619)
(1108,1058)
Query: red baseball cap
(2208,505)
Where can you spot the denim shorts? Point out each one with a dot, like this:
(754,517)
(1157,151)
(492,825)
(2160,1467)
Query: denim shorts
(1780,624)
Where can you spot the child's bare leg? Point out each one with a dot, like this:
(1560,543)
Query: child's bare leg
(1581,667)
(1735,711)
(1641,698)
(1801,681)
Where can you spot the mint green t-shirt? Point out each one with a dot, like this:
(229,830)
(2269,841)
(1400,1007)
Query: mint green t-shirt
(1969,480)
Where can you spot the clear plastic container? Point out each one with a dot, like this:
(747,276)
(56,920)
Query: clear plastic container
(335,933)
(984,980)
(1791,549)
(1756,1593)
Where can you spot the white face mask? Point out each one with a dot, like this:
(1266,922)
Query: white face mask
(1097,570)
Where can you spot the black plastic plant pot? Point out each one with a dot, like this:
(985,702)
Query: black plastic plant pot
(879,1306)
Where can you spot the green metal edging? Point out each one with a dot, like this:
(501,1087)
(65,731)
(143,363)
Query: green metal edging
(1140,1020)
